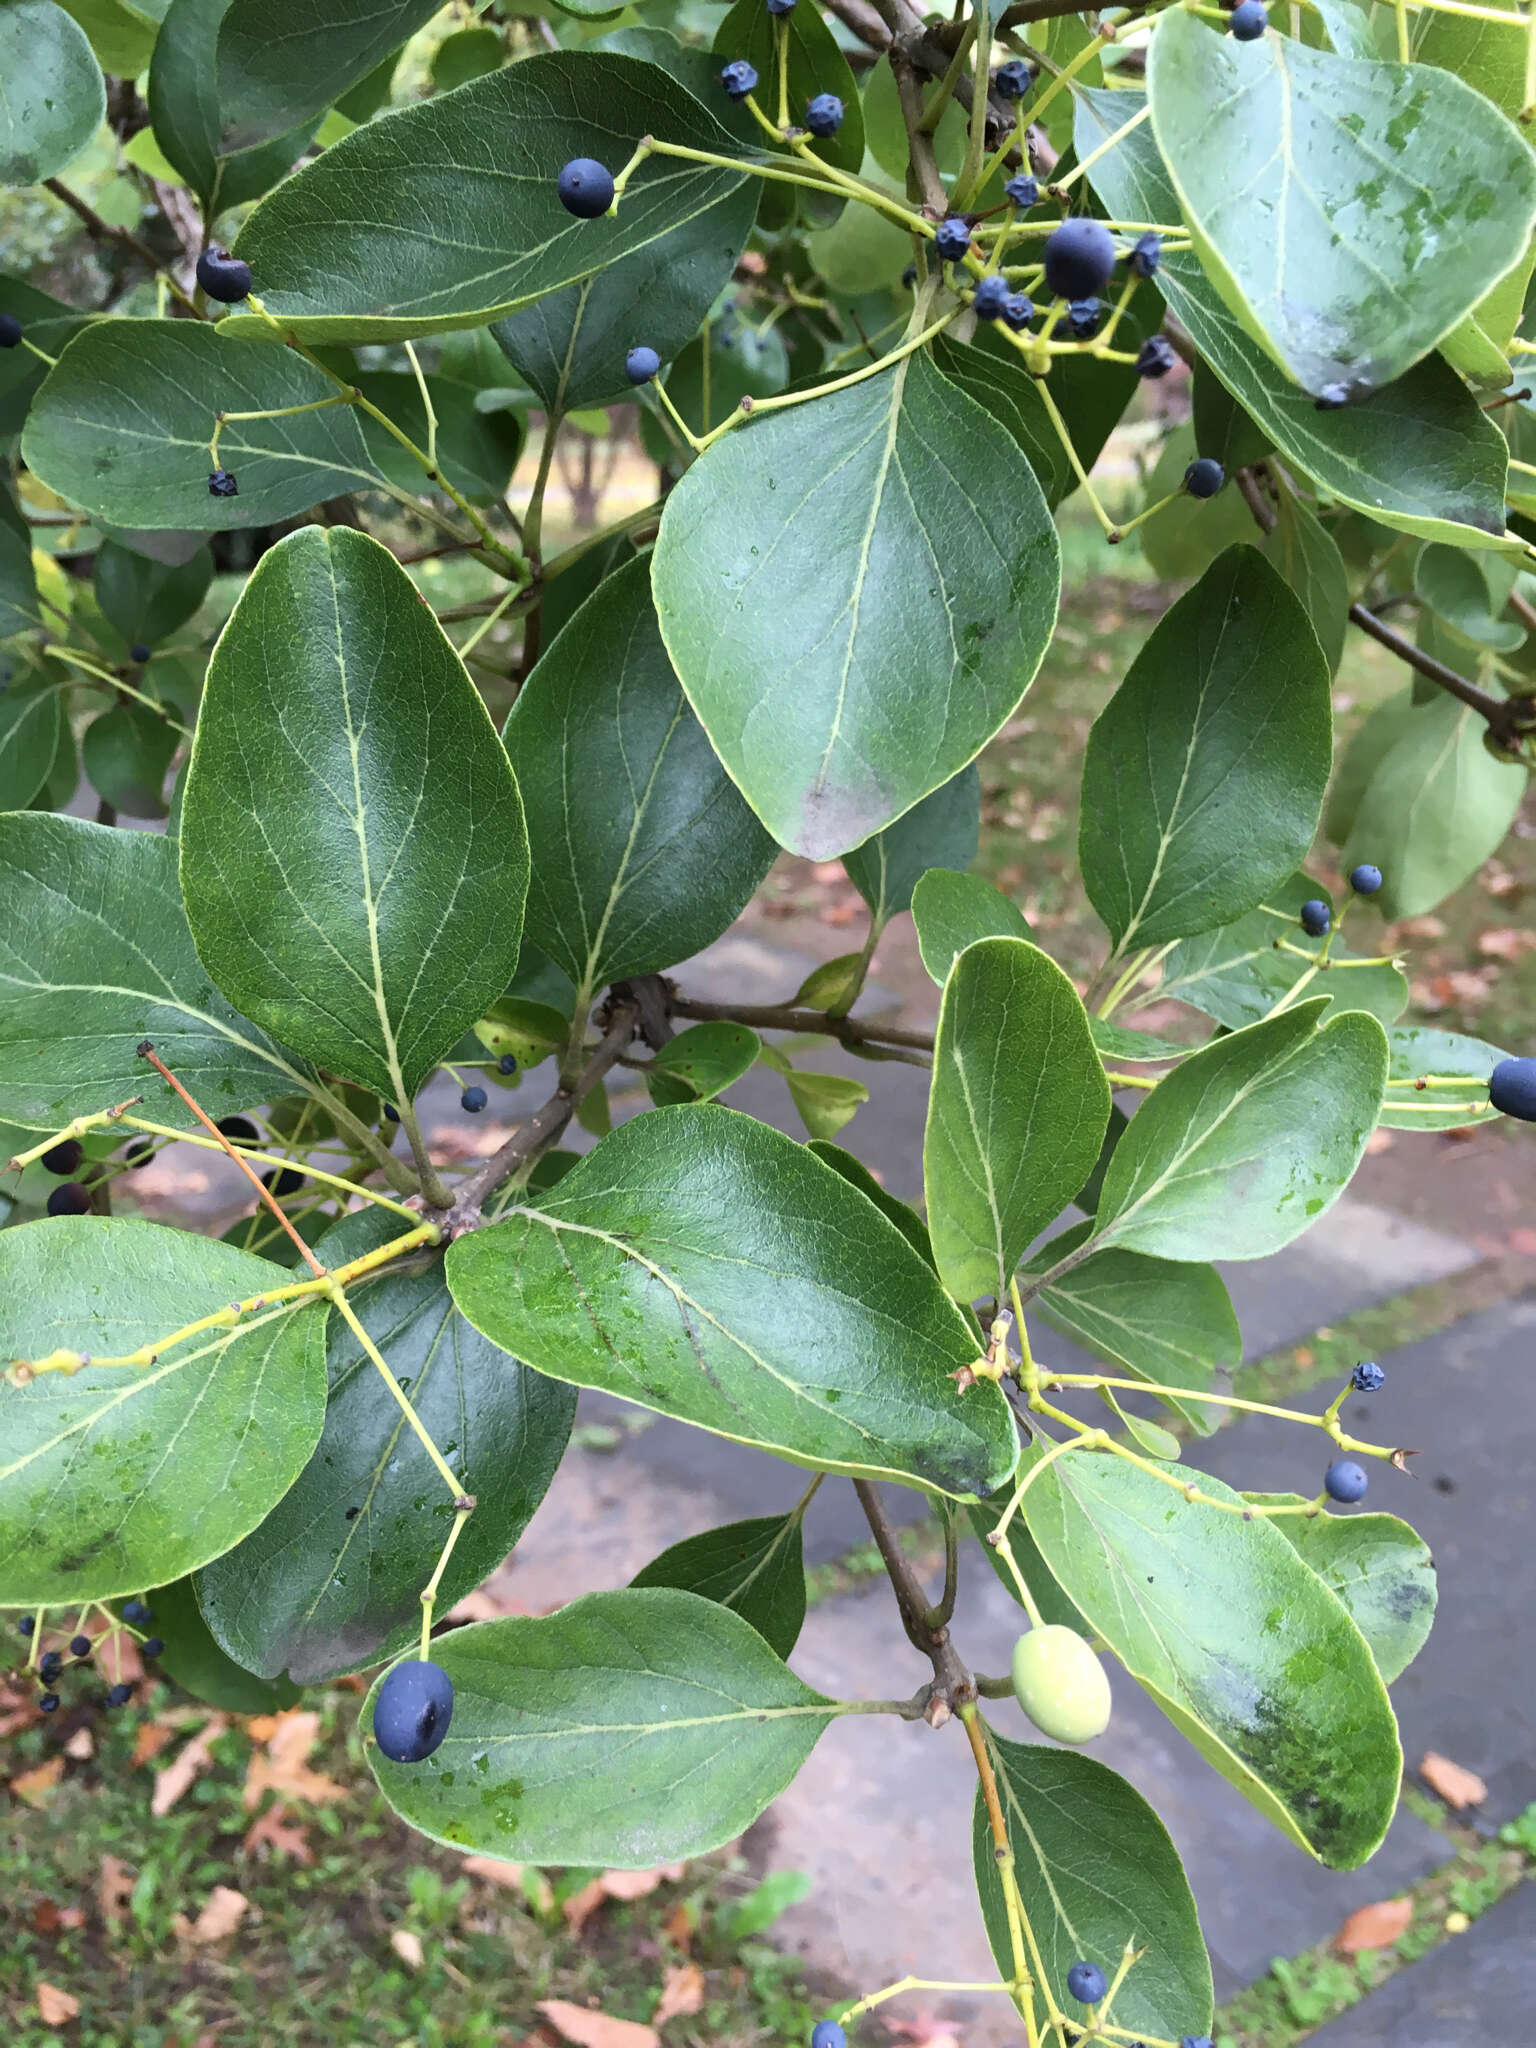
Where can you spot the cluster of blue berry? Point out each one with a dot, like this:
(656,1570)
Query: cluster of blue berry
(52,1664)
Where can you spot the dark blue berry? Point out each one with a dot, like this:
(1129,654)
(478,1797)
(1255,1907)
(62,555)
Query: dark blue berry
(1512,1089)
(222,483)
(64,1157)
(1013,79)
(70,1200)
(1079,258)
(951,238)
(222,276)
(136,1614)
(238,1129)
(1018,311)
(506,1064)
(119,1695)
(1085,1981)
(79,1646)
(1248,21)
(1331,397)
(990,297)
(828,2034)
(391,1114)
(10,330)
(1147,254)
(141,651)
(824,115)
(909,277)
(1085,317)
(473,1100)
(28,1624)
(1204,477)
(48,1703)
(412,1711)
(151,1647)
(1023,190)
(585,187)
(1365,880)
(139,1153)
(1316,918)
(781,6)
(282,1180)
(739,79)
(1156,356)
(49,1665)
(641,365)
(1367,1377)
(1345,1481)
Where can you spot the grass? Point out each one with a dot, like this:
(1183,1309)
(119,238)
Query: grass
(312,1960)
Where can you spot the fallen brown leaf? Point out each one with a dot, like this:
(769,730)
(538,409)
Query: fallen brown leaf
(80,1746)
(47,1918)
(1524,1242)
(682,1992)
(282,1769)
(1456,1785)
(595,2029)
(407,1947)
(1505,942)
(616,1884)
(261,1727)
(150,1738)
(1379,1141)
(184,1767)
(56,2008)
(114,1888)
(678,1926)
(1374,1926)
(276,1829)
(222,1914)
(38,1785)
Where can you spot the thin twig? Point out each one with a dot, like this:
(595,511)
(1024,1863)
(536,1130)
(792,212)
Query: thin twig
(785,1017)
(103,231)
(952,1682)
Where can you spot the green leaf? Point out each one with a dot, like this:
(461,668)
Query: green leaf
(1421,455)
(765,1903)
(1379,1567)
(1483,55)
(729,1278)
(48,322)
(281,64)
(994,376)
(1237,974)
(467,53)
(1183,538)
(1308,557)
(19,611)
(700,1062)
(200,1667)
(1132,1048)
(861,250)
(424,220)
(1437,805)
(1222,428)
(121,429)
(1466,596)
(477,451)
(857,1174)
(711,1726)
(1097,1874)
(353,855)
(31,721)
(1415,1051)
(788,614)
(742,364)
(643,850)
(146,600)
(1253,1138)
(121,38)
(953,911)
(1371,228)
(940,832)
(1165,1320)
(186,90)
(118,1477)
(825,1101)
(127,754)
(1205,773)
(531,1032)
(331,1581)
(755,1568)
(54,98)
(1016,1113)
(1235,1638)
(815,63)
(95,956)
(832,984)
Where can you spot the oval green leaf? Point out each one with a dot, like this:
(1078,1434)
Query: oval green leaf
(1379,1567)
(55,97)
(709,1723)
(784,588)
(701,1264)
(953,911)
(354,859)
(756,1568)
(31,721)
(940,832)
(118,1477)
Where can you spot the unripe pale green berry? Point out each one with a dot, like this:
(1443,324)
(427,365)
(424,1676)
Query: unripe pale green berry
(1061,1684)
